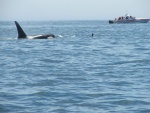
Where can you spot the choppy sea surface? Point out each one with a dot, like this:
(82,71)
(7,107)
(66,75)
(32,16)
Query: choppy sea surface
(75,72)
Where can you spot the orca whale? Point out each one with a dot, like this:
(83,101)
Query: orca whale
(22,35)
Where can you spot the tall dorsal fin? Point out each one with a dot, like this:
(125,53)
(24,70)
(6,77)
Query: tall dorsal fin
(21,33)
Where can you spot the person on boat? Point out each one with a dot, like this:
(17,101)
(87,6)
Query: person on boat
(127,17)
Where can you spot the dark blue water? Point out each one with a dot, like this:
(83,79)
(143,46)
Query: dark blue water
(75,73)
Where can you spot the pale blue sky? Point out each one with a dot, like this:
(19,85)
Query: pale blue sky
(72,9)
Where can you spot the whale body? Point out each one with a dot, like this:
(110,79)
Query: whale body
(22,34)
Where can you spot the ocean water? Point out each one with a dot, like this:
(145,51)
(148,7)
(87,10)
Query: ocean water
(75,72)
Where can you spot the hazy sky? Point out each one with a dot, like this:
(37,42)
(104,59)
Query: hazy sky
(72,9)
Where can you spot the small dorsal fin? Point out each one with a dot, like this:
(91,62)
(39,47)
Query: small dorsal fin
(21,33)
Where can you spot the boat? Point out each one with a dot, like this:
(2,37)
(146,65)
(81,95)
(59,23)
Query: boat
(128,19)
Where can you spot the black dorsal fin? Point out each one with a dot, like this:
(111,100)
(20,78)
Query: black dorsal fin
(21,33)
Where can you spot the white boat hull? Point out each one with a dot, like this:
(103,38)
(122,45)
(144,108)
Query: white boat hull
(129,21)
